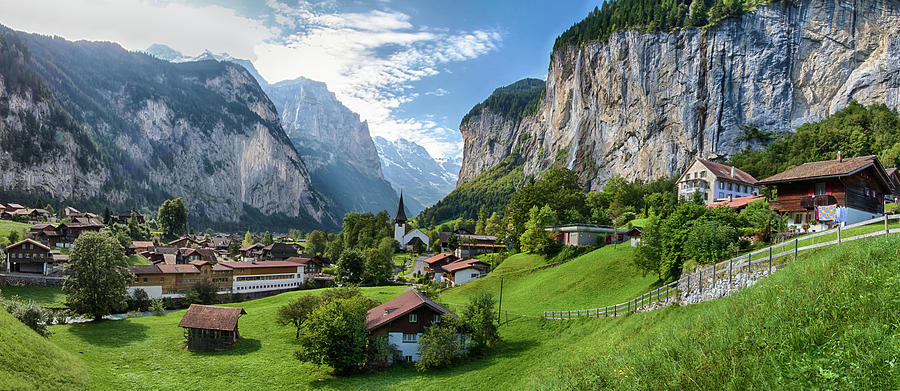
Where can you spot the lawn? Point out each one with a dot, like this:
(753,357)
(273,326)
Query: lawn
(135,259)
(30,362)
(46,296)
(7,226)
(599,278)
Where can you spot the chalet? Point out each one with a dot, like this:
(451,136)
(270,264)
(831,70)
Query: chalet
(819,195)
(434,264)
(211,327)
(199,254)
(715,182)
(894,175)
(312,264)
(471,245)
(164,254)
(268,276)
(64,234)
(588,235)
(276,252)
(68,211)
(122,218)
(138,246)
(635,234)
(30,256)
(408,239)
(444,237)
(180,279)
(11,207)
(252,252)
(737,203)
(403,320)
(463,271)
(175,281)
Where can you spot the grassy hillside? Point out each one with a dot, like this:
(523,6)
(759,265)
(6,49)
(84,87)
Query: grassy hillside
(30,362)
(602,277)
(7,226)
(48,296)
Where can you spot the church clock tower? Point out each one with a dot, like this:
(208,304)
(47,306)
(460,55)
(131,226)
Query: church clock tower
(400,222)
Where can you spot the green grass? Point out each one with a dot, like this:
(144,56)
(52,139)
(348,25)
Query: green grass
(31,362)
(599,278)
(46,296)
(7,226)
(135,259)
(640,222)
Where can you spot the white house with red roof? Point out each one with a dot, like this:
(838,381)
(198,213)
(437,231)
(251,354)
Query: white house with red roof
(464,270)
(715,182)
(403,320)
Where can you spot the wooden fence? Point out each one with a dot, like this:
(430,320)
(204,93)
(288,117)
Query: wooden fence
(760,260)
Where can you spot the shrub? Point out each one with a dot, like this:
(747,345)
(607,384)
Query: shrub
(157,307)
(441,345)
(29,313)
(141,300)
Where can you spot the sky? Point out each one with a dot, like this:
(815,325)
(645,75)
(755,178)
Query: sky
(411,69)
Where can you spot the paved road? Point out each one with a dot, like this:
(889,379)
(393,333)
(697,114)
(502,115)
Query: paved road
(419,265)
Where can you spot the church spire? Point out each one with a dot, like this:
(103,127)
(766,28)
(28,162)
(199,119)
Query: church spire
(400,216)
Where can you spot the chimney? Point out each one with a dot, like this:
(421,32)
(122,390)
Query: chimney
(839,158)
(732,171)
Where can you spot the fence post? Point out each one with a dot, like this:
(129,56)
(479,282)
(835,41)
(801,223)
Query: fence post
(730,263)
(749,266)
(714,274)
(770,260)
(796,241)
(615,310)
(700,277)
(886,230)
(839,233)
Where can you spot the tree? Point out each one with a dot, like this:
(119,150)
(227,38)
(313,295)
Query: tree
(440,345)
(234,248)
(335,334)
(98,276)
(648,254)
(494,225)
(248,239)
(13,236)
(315,243)
(107,216)
(764,221)
(351,266)
(141,299)
(136,230)
(379,262)
(267,239)
(535,239)
(297,311)
(480,316)
(335,247)
(172,218)
(710,241)
(205,292)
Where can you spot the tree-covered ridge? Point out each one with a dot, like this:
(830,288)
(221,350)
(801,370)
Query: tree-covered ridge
(650,16)
(856,130)
(513,102)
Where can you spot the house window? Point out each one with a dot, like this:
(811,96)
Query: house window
(721,185)
(721,194)
(408,358)
(474,275)
(437,318)
(820,189)
(702,174)
(729,186)
(412,318)
(408,338)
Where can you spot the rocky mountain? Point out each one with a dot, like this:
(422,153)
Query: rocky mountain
(332,141)
(89,123)
(423,179)
(643,105)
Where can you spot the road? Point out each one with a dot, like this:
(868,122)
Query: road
(419,265)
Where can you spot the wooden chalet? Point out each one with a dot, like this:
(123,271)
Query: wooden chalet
(64,234)
(435,263)
(277,252)
(403,319)
(211,327)
(185,242)
(894,176)
(464,270)
(251,252)
(823,194)
(31,256)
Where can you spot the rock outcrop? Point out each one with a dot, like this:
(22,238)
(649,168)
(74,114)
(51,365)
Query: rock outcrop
(137,130)
(644,105)
(423,179)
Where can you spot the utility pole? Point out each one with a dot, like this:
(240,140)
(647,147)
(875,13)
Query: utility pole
(500,302)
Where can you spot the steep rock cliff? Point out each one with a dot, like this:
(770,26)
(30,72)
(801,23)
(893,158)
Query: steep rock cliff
(423,179)
(147,130)
(644,105)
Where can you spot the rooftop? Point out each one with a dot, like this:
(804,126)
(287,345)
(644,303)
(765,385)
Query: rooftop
(399,306)
(211,317)
(723,171)
(463,264)
(827,169)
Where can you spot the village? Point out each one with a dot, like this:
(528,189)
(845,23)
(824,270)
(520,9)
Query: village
(811,197)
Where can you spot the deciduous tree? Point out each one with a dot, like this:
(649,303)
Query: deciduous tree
(98,276)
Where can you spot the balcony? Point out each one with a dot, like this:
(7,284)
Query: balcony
(811,202)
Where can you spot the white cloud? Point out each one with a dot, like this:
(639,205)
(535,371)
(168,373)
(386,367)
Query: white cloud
(137,24)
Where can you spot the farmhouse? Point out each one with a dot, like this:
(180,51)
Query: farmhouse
(277,252)
(175,281)
(715,182)
(211,327)
(471,245)
(251,252)
(64,234)
(138,246)
(434,264)
(30,256)
(588,235)
(403,320)
(819,195)
(463,271)
(122,218)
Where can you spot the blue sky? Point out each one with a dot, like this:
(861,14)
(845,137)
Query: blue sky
(412,69)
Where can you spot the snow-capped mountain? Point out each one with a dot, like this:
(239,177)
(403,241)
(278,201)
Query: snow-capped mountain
(410,168)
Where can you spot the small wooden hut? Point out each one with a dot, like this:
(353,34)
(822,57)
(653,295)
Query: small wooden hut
(210,327)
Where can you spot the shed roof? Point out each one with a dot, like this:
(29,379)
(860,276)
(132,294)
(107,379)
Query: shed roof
(461,265)
(234,265)
(827,169)
(438,258)
(34,242)
(399,306)
(167,268)
(736,203)
(211,317)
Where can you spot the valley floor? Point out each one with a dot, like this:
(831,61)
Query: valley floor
(830,320)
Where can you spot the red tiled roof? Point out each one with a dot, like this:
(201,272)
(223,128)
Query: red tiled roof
(460,265)
(305,260)
(723,171)
(166,268)
(399,306)
(438,257)
(141,244)
(827,169)
(211,317)
(738,202)
(245,265)
(36,243)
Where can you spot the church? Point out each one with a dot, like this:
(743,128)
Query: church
(406,239)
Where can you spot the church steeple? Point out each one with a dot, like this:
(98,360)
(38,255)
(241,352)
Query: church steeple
(400,216)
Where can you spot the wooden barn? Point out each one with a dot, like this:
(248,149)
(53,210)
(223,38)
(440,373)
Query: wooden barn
(210,327)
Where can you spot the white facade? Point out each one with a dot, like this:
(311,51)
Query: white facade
(849,216)
(407,349)
(266,282)
(402,237)
(465,275)
(700,179)
(153,291)
(399,232)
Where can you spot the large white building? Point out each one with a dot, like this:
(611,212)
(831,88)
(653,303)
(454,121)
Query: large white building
(715,182)
(407,239)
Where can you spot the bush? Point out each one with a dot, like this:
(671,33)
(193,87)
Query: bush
(140,300)
(441,345)
(29,313)
(335,334)
(331,271)
(157,307)
(380,353)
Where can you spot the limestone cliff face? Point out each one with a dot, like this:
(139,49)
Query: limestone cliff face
(202,131)
(644,105)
